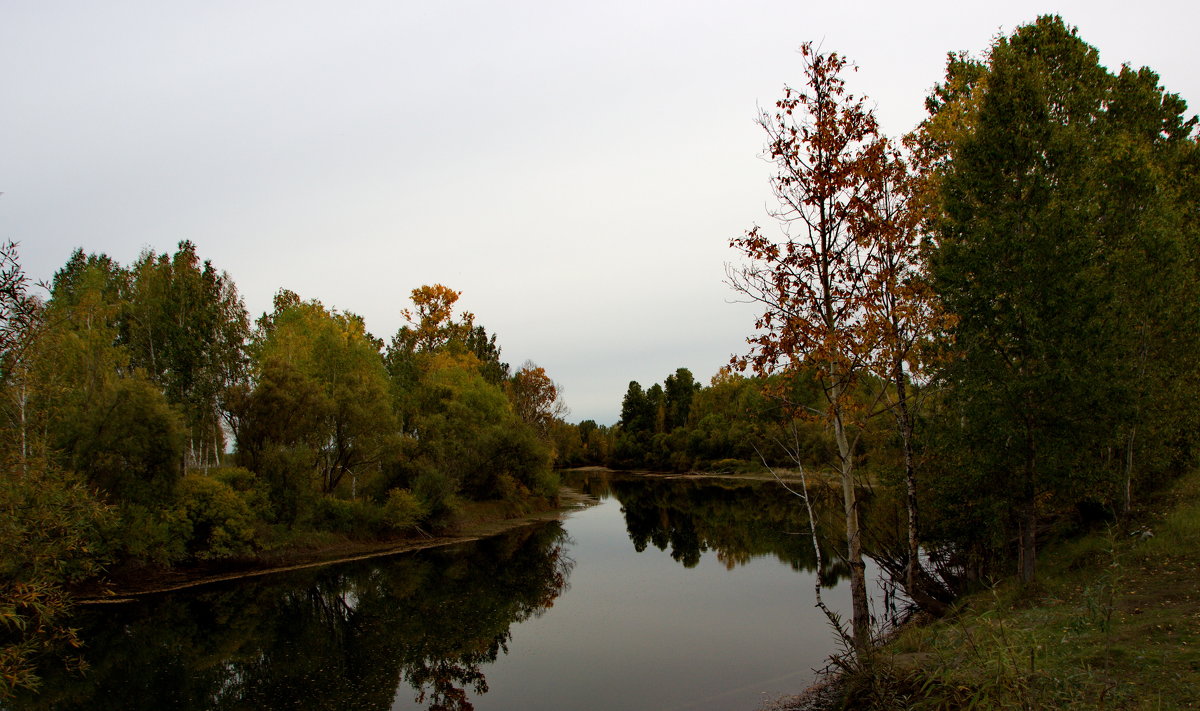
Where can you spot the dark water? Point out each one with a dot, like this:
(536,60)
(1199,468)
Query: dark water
(669,594)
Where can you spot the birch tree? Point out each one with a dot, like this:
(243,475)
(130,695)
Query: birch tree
(812,282)
(901,314)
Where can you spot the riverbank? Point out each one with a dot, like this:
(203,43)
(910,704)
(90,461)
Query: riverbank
(1113,622)
(787,476)
(474,523)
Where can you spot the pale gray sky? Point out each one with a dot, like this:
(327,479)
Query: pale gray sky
(575,168)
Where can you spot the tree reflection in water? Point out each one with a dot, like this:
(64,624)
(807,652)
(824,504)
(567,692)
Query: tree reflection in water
(737,520)
(348,636)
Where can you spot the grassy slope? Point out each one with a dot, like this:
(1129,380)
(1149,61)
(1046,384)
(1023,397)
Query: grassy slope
(1113,623)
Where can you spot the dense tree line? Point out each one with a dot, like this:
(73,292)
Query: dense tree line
(736,423)
(147,421)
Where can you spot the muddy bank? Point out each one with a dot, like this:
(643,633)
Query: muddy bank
(126,585)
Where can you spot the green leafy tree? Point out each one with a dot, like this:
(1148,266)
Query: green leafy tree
(51,525)
(596,442)
(656,399)
(468,431)
(467,428)
(104,418)
(88,279)
(279,430)
(433,327)
(1042,264)
(78,354)
(635,428)
(1013,267)
(679,389)
(637,411)
(336,366)
(485,349)
(129,443)
(184,324)
(1148,227)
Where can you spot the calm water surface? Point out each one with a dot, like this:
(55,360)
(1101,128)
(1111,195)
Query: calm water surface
(667,595)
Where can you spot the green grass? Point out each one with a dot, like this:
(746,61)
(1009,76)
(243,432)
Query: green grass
(1113,622)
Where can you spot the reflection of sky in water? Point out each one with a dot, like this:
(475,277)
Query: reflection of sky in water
(640,631)
(630,631)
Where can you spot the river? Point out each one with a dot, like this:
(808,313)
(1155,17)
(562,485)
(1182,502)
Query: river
(669,594)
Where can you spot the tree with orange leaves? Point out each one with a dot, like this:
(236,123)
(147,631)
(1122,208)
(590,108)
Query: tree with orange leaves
(432,327)
(901,314)
(536,398)
(431,323)
(815,282)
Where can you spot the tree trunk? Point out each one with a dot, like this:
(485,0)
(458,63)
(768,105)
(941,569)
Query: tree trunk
(1027,556)
(1128,502)
(1028,541)
(1027,526)
(904,424)
(860,609)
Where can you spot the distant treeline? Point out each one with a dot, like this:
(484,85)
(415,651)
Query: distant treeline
(735,423)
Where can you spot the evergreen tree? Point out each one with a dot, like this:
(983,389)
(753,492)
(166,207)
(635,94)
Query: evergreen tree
(1036,159)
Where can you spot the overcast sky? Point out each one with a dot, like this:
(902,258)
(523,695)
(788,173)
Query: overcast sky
(576,169)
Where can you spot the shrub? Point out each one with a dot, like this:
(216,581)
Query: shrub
(129,443)
(50,534)
(250,487)
(219,520)
(546,482)
(437,493)
(403,509)
(52,526)
(149,536)
(353,518)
